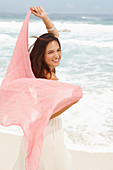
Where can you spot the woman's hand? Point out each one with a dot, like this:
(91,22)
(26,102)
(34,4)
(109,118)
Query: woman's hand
(38,12)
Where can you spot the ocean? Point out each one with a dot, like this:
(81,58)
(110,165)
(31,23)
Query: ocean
(87,61)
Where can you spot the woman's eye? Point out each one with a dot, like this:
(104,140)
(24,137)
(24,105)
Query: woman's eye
(59,50)
(50,52)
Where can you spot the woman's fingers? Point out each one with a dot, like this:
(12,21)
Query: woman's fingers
(38,11)
(32,8)
(38,8)
(35,11)
(41,9)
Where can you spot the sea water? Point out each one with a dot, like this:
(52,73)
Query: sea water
(87,61)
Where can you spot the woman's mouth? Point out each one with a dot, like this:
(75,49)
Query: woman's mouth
(56,61)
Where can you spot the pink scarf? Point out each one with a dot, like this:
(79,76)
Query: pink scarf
(28,101)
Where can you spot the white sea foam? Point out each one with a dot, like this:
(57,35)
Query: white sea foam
(89,43)
(88,125)
(7,40)
(10,27)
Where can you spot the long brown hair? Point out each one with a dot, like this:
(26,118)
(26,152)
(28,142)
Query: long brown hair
(38,63)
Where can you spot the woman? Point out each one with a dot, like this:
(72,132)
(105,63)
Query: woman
(45,56)
(46,53)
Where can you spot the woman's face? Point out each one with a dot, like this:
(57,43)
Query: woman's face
(52,54)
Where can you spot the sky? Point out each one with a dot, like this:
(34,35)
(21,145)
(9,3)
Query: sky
(59,6)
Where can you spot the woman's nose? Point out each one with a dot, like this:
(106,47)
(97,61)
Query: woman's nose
(56,54)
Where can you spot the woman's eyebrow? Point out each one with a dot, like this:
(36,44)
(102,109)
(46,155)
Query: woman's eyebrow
(52,50)
(49,51)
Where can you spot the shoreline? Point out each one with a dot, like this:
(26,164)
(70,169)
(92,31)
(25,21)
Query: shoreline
(82,160)
(78,149)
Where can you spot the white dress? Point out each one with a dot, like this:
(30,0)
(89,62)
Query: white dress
(55,155)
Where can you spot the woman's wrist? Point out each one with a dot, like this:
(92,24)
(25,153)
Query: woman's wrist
(51,29)
(44,17)
(50,26)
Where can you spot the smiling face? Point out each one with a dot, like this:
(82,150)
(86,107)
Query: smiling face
(52,54)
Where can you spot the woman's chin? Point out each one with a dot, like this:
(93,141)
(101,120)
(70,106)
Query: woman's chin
(56,65)
(52,66)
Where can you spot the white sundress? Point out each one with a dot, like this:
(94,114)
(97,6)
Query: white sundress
(55,155)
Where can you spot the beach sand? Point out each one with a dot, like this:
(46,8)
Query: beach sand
(9,147)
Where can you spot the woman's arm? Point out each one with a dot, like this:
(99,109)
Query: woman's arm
(40,12)
(62,110)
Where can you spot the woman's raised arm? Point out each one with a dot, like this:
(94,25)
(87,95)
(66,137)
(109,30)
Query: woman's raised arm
(40,12)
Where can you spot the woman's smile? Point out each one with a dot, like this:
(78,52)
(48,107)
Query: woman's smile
(56,61)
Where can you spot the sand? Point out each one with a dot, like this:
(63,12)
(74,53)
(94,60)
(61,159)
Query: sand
(9,147)
(92,161)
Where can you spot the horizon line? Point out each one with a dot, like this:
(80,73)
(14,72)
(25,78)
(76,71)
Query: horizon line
(60,13)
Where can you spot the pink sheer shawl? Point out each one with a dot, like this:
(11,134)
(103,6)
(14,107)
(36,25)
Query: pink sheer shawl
(29,102)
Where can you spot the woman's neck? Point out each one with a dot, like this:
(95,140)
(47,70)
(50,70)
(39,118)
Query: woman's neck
(50,76)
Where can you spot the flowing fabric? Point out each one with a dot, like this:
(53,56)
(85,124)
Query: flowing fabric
(29,102)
